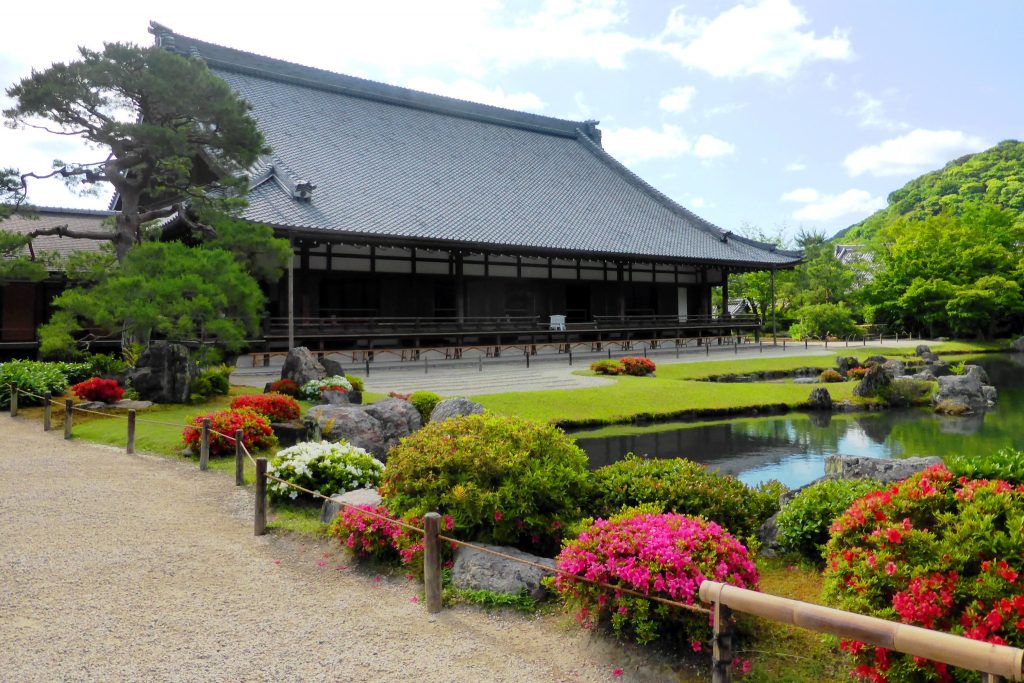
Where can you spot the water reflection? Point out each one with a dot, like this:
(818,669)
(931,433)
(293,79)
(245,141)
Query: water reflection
(792,448)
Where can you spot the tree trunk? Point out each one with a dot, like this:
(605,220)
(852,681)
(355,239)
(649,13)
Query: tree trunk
(127,224)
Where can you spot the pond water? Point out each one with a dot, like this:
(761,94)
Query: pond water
(792,448)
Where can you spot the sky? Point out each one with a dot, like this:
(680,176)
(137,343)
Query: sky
(763,115)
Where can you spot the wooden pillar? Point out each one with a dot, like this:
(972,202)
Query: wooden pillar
(725,292)
(774,333)
(47,411)
(130,444)
(432,559)
(722,654)
(460,289)
(260,518)
(291,296)
(239,452)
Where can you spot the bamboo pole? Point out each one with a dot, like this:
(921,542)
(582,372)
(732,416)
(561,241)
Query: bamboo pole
(432,561)
(47,411)
(239,453)
(204,445)
(260,520)
(973,655)
(69,409)
(130,445)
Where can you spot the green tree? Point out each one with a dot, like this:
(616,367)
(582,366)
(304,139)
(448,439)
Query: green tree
(14,264)
(820,321)
(981,307)
(166,128)
(178,292)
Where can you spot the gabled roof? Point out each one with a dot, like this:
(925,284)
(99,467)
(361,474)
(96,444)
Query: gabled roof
(391,163)
(79,220)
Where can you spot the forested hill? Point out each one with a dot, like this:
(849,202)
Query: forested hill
(995,176)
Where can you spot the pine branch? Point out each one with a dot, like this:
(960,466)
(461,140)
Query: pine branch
(65,231)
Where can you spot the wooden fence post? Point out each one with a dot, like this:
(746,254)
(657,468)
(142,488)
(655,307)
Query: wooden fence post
(69,408)
(204,445)
(47,411)
(432,561)
(721,662)
(260,522)
(14,400)
(991,678)
(239,453)
(130,445)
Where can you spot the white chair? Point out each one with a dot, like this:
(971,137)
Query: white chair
(557,323)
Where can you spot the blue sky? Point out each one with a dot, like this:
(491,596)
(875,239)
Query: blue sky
(766,114)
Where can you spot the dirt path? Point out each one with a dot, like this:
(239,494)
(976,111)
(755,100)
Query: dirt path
(122,568)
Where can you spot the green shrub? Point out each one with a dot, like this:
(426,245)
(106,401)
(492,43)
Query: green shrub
(907,392)
(830,375)
(804,521)
(32,376)
(608,367)
(503,479)
(819,321)
(356,382)
(75,372)
(934,551)
(685,487)
(106,364)
(424,402)
(1006,464)
(212,381)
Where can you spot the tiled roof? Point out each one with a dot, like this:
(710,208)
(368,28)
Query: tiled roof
(396,164)
(81,220)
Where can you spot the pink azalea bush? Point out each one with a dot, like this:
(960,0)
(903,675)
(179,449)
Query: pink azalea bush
(667,555)
(379,536)
(935,551)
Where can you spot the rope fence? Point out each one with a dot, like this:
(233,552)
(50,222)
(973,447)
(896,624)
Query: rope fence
(997,663)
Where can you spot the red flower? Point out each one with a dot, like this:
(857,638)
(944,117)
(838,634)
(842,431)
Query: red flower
(98,389)
(497,515)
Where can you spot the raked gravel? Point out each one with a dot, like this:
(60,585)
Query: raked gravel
(137,568)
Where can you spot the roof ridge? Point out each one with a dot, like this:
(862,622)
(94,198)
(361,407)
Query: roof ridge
(71,210)
(357,86)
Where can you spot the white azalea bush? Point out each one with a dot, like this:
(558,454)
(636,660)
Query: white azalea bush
(325,467)
(312,389)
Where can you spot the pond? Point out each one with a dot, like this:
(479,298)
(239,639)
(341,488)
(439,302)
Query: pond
(792,448)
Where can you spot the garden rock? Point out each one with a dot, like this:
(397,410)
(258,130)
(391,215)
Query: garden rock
(894,368)
(961,390)
(334,398)
(846,364)
(129,404)
(928,355)
(977,370)
(163,373)
(351,423)
(1018,345)
(329,510)
(477,570)
(820,399)
(398,419)
(878,360)
(455,407)
(883,470)
(990,393)
(290,433)
(93,405)
(922,349)
(768,534)
(874,382)
(301,366)
(332,367)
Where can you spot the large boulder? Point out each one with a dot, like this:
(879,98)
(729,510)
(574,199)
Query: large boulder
(398,419)
(875,381)
(929,356)
(301,366)
(163,373)
(335,398)
(922,349)
(351,423)
(332,367)
(879,469)
(876,360)
(846,364)
(959,394)
(979,371)
(894,368)
(331,507)
(1018,345)
(476,570)
(454,407)
(290,433)
(820,399)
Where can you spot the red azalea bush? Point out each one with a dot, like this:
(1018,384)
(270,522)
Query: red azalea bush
(935,551)
(256,431)
(637,365)
(98,389)
(660,554)
(284,386)
(607,367)
(856,373)
(274,407)
(380,536)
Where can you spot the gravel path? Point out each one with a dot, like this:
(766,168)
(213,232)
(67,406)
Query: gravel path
(132,568)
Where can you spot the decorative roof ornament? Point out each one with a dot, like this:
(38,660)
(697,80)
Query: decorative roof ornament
(303,190)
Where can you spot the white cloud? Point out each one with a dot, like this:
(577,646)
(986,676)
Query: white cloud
(764,38)
(678,100)
(919,150)
(721,109)
(870,113)
(819,207)
(698,203)
(802,195)
(634,145)
(709,147)
(795,166)
(466,89)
